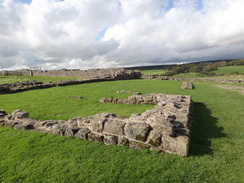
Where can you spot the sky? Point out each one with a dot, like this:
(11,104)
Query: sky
(84,34)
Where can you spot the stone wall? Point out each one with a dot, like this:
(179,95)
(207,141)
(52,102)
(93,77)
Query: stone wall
(114,73)
(165,128)
(157,77)
(33,84)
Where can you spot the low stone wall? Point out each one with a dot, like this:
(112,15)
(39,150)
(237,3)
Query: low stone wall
(157,77)
(113,73)
(132,92)
(164,128)
(33,84)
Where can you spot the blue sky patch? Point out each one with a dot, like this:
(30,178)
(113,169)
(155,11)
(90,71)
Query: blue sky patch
(100,35)
(23,1)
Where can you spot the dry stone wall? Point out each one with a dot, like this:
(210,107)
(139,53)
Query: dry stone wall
(165,128)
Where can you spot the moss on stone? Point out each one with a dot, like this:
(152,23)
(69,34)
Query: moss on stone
(140,137)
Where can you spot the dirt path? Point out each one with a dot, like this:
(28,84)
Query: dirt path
(238,89)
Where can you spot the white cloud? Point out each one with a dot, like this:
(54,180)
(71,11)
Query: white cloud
(109,33)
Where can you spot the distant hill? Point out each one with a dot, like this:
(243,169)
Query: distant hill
(153,67)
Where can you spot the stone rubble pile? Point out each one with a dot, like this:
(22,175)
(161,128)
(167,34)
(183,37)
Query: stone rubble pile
(165,128)
(187,85)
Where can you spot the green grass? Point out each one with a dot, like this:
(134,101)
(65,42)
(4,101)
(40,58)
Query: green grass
(216,151)
(153,72)
(13,79)
(229,70)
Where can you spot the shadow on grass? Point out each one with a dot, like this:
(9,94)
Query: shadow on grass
(204,128)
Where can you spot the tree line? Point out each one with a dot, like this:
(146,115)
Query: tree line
(202,67)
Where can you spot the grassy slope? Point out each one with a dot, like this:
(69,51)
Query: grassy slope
(12,79)
(216,153)
(229,70)
(222,72)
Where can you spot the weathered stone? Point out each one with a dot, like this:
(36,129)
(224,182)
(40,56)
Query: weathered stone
(72,123)
(138,145)
(110,140)
(24,126)
(99,120)
(154,138)
(137,131)
(102,100)
(70,132)
(56,130)
(50,123)
(162,125)
(39,124)
(122,141)
(2,113)
(186,85)
(176,145)
(83,133)
(95,137)
(135,115)
(19,114)
(10,123)
(114,126)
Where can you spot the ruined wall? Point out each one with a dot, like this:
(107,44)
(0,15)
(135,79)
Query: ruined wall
(157,77)
(118,74)
(164,128)
(114,73)
(33,84)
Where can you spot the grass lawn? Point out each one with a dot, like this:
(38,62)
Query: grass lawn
(229,70)
(153,72)
(216,151)
(13,79)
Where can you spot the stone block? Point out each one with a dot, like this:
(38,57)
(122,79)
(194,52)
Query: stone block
(138,145)
(155,138)
(176,145)
(114,126)
(56,130)
(70,132)
(110,140)
(24,126)
(122,141)
(162,125)
(137,131)
(187,85)
(99,120)
(95,137)
(83,133)
(19,114)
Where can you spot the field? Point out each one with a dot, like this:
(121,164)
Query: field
(154,72)
(230,72)
(216,151)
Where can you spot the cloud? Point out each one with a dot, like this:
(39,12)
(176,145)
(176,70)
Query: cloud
(111,33)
